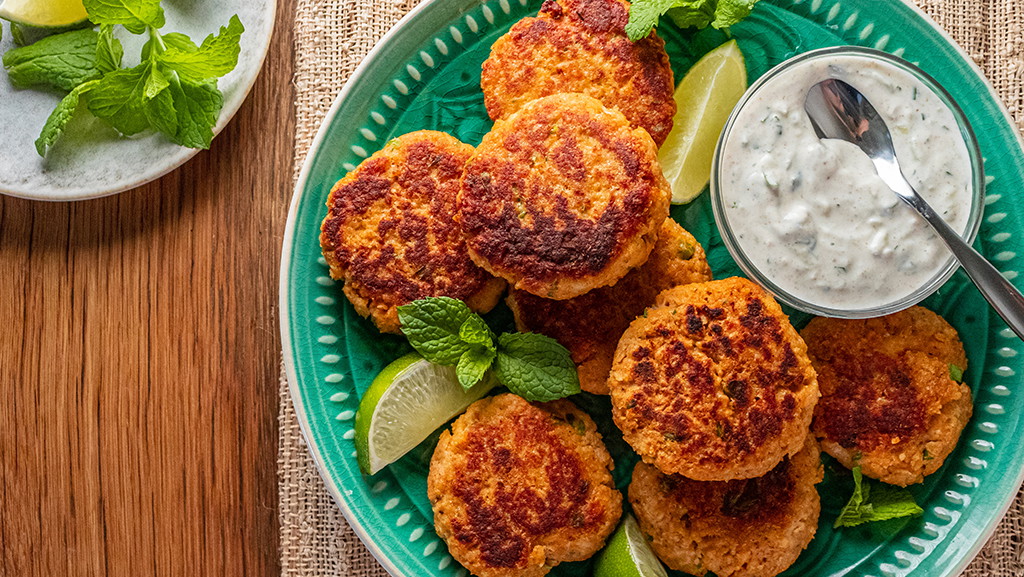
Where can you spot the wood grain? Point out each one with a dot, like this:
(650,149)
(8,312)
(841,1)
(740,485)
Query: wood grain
(139,361)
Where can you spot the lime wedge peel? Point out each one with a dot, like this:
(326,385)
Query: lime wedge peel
(44,13)
(704,100)
(628,554)
(405,403)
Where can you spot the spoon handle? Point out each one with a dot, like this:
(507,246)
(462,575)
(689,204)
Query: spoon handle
(1003,296)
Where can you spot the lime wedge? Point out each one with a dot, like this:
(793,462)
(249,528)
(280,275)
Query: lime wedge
(406,402)
(44,13)
(704,100)
(628,554)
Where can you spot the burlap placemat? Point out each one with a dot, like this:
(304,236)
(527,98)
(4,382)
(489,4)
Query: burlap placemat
(332,36)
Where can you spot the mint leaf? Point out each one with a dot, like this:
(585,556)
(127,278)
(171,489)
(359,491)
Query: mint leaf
(644,15)
(217,56)
(476,332)
(875,502)
(729,12)
(179,41)
(197,107)
(535,367)
(697,14)
(473,365)
(119,96)
(433,326)
(890,502)
(109,51)
(59,118)
(135,15)
(956,373)
(161,113)
(62,61)
(852,513)
(175,40)
(156,82)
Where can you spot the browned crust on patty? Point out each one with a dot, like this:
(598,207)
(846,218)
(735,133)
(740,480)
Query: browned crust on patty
(888,402)
(390,235)
(743,528)
(520,487)
(563,197)
(581,46)
(590,325)
(713,382)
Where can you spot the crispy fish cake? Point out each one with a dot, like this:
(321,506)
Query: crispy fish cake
(581,46)
(590,325)
(389,231)
(889,403)
(713,383)
(741,528)
(519,487)
(563,197)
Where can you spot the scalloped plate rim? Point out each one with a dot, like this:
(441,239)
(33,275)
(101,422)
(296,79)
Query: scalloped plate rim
(284,290)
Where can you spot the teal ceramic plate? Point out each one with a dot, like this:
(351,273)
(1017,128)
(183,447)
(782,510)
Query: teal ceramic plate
(425,74)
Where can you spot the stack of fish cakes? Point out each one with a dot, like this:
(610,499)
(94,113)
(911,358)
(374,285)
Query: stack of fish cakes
(713,388)
(565,200)
(562,199)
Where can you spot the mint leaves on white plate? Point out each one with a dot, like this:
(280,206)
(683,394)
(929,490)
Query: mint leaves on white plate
(446,332)
(173,89)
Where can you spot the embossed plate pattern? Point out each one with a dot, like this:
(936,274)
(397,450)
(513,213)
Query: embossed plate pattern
(425,74)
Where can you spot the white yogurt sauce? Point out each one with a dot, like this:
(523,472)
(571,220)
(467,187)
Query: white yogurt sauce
(813,216)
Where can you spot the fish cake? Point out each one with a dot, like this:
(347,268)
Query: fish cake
(590,325)
(581,46)
(713,382)
(742,528)
(389,232)
(889,403)
(519,487)
(563,197)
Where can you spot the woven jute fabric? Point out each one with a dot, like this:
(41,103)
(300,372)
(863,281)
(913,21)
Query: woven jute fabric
(333,36)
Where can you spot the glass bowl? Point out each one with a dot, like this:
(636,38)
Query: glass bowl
(728,228)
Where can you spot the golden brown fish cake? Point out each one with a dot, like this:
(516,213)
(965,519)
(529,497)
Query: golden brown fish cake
(581,46)
(742,528)
(888,402)
(520,487)
(563,197)
(389,232)
(590,325)
(713,383)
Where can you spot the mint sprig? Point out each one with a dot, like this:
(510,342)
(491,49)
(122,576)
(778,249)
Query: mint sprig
(875,502)
(644,14)
(173,90)
(446,332)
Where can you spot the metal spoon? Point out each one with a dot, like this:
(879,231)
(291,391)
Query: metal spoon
(838,110)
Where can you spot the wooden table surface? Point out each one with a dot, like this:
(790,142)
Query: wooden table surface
(139,356)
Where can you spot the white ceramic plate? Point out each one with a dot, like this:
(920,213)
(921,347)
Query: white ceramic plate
(91,160)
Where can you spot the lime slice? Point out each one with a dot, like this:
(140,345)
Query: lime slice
(44,13)
(406,402)
(704,100)
(628,554)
